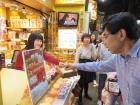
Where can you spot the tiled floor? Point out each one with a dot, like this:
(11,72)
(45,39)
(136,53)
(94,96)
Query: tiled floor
(93,92)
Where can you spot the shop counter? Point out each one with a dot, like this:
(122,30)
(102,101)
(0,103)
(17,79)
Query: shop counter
(52,97)
(13,82)
(65,101)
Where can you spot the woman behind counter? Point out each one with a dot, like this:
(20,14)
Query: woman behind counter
(35,41)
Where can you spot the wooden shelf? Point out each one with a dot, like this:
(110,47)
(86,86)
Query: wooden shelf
(22,28)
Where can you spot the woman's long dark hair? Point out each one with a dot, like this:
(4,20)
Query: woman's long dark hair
(33,36)
(62,21)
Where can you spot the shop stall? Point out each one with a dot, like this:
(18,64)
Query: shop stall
(40,84)
(18,20)
(15,91)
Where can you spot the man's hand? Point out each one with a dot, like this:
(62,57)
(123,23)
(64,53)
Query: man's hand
(66,65)
(69,66)
(61,64)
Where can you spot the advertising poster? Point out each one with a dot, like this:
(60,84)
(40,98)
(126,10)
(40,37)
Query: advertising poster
(67,38)
(2,26)
(34,66)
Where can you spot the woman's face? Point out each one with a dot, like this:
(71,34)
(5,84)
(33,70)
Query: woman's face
(86,40)
(37,43)
(92,37)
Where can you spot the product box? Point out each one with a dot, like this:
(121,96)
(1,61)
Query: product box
(67,73)
(2,60)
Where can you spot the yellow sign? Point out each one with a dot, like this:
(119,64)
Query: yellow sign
(69,2)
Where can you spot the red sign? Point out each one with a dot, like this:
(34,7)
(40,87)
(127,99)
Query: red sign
(34,66)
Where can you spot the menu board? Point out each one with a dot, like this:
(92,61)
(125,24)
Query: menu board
(34,66)
(67,38)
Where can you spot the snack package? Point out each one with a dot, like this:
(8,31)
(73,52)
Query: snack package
(113,86)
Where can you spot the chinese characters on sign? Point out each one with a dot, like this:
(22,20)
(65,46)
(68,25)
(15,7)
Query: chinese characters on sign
(34,66)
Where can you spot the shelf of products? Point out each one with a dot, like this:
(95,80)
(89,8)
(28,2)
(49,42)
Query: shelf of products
(59,88)
(26,23)
(64,55)
(16,26)
(15,40)
(59,93)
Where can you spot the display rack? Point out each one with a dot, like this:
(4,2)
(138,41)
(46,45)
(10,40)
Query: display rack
(57,100)
(41,79)
(15,39)
(65,100)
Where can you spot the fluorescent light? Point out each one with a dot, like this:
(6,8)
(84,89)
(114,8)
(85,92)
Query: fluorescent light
(138,21)
(103,0)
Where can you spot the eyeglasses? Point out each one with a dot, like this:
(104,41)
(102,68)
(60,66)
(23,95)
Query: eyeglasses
(106,35)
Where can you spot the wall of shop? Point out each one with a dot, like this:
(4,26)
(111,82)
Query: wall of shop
(71,6)
(3,12)
(48,3)
(19,24)
(0,94)
(79,8)
(41,5)
(66,8)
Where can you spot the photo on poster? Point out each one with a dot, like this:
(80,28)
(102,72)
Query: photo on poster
(34,66)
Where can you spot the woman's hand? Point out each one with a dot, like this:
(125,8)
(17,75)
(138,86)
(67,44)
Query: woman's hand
(41,49)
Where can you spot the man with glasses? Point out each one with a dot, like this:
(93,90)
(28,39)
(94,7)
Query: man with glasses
(121,38)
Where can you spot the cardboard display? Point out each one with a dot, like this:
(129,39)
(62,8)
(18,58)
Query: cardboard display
(34,66)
